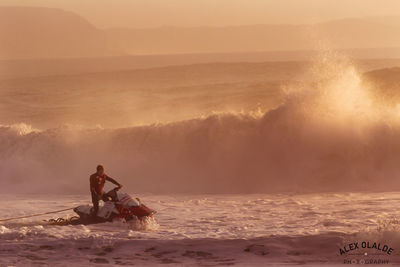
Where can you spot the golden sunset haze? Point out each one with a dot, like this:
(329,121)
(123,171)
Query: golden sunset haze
(190,13)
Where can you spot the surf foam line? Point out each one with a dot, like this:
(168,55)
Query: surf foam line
(281,151)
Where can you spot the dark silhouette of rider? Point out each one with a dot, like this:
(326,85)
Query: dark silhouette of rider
(97,181)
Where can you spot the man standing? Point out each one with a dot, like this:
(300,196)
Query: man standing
(97,181)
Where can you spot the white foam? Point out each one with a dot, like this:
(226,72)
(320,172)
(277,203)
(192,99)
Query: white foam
(194,229)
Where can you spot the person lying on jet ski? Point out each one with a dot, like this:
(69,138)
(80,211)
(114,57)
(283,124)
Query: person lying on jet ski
(97,181)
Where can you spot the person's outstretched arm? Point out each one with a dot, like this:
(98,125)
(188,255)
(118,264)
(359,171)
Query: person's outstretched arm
(108,178)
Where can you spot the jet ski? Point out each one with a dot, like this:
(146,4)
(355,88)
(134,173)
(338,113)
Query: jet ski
(120,206)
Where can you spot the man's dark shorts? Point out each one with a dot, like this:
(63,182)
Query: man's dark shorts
(95,200)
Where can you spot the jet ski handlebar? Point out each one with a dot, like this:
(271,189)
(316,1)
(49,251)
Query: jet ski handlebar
(115,189)
(113,193)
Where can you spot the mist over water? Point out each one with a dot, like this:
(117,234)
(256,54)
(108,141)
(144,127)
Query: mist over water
(254,144)
(329,134)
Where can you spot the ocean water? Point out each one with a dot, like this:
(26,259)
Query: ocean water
(240,160)
(334,129)
(207,230)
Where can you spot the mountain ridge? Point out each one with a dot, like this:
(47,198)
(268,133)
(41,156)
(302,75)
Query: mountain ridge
(56,33)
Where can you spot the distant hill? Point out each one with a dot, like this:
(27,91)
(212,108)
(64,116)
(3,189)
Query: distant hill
(339,34)
(361,32)
(211,39)
(28,32)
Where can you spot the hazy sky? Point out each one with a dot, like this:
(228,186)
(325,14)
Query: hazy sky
(154,13)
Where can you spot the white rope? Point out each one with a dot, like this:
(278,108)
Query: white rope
(33,215)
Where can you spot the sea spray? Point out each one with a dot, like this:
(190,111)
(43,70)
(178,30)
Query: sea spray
(328,135)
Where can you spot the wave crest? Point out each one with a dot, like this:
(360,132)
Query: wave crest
(330,135)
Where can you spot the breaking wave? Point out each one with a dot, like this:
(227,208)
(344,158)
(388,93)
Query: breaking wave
(329,135)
